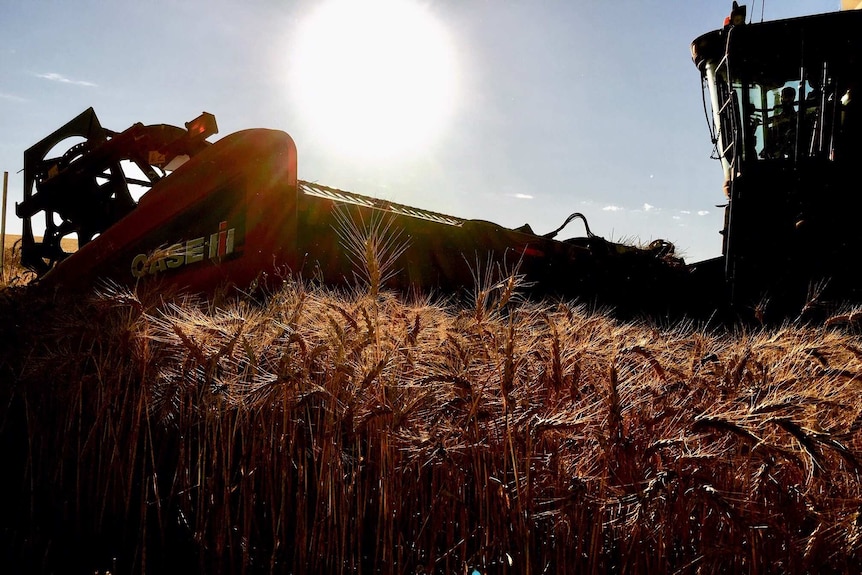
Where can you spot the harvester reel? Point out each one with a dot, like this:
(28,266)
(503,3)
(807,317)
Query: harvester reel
(86,188)
(98,201)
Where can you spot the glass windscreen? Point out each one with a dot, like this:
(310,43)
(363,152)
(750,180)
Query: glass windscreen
(765,109)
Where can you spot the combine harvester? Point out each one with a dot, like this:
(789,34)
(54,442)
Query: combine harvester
(783,98)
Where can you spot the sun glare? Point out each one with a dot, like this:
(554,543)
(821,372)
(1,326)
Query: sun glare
(373,79)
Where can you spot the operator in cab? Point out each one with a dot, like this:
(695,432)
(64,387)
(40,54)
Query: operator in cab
(782,127)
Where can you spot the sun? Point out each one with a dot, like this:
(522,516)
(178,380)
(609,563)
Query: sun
(373,79)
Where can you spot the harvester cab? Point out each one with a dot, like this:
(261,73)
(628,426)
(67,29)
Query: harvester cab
(785,121)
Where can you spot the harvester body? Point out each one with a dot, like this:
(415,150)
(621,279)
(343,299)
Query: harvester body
(784,122)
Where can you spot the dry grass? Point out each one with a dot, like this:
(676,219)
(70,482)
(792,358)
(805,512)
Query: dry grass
(13,274)
(312,431)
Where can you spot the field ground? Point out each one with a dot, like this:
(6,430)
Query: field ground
(314,431)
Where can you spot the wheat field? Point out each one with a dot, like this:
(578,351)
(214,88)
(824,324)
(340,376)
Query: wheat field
(307,430)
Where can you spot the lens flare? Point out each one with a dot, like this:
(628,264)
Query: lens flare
(373,79)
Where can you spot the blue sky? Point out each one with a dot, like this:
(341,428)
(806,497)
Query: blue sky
(561,106)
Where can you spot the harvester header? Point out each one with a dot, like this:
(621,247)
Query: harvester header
(235,212)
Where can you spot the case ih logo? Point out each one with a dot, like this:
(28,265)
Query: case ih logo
(215,247)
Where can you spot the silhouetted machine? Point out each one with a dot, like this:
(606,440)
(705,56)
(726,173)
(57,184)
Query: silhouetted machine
(784,99)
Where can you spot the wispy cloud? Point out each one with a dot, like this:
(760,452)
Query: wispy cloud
(703,212)
(11,97)
(648,207)
(522,196)
(612,208)
(54,77)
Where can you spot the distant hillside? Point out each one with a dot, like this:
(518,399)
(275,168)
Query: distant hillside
(70,245)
